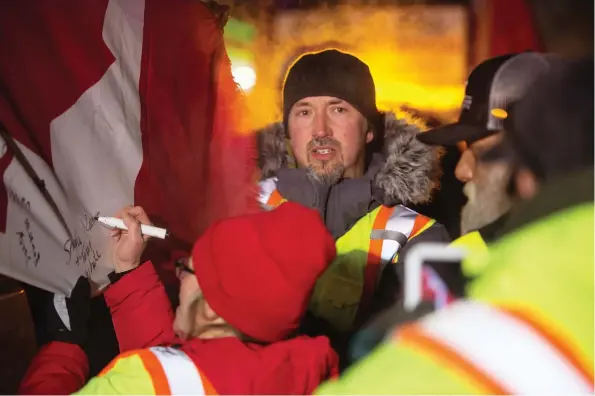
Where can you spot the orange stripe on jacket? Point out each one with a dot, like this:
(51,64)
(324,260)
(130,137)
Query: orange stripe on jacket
(275,199)
(557,340)
(373,260)
(418,225)
(114,361)
(156,372)
(413,336)
(206,384)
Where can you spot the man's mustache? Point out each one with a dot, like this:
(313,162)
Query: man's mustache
(326,141)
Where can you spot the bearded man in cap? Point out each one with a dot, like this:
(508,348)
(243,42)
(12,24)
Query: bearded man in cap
(492,86)
(526,323)
(360,169)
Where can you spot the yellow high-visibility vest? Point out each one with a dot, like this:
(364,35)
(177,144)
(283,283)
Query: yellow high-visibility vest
(525,327)
(362,254)
(475,246)
(153,371)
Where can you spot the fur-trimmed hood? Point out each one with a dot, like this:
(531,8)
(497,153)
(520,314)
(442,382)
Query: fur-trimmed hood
(409,172)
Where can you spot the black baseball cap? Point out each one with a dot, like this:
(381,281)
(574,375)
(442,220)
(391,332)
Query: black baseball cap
(491,87)
(550,130)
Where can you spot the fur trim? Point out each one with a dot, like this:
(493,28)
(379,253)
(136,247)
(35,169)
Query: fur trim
(411,170)
(273,150)
(410,173)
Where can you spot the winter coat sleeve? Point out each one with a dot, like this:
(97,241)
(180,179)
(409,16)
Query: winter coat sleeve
(58,368)
(141,312)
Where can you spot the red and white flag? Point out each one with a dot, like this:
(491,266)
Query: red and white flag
(113,102)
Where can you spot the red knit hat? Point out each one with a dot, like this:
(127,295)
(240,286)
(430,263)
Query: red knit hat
(258,271)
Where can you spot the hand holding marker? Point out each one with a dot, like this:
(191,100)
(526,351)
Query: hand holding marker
(148,230)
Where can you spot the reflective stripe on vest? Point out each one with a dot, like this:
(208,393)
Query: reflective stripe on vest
(393,227)
(175,373)
(269,198)
(395,231)
(499,352)
(388,230)
(169,370)
(182,374)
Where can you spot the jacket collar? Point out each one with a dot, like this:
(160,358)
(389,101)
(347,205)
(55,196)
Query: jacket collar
(492,231)
(560,193)
(340,205)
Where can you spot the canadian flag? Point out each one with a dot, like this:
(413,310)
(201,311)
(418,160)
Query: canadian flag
(112,103)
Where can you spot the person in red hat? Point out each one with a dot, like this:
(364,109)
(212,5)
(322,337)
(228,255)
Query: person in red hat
(242,295)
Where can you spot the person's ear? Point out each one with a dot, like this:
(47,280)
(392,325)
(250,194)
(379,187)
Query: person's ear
(369,135)
(526,183)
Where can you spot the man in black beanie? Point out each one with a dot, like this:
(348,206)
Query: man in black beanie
(342,85)
(335,152)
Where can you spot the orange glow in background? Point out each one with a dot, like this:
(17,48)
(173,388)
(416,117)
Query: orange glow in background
(417,55)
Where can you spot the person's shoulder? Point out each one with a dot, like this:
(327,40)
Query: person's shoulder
(369,375)
(296,366)
(420,224)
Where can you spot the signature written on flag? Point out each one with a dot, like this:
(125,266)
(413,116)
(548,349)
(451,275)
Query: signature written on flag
(27,243)
(83,253)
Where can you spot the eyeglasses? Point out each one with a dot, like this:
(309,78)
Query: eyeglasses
(181,267)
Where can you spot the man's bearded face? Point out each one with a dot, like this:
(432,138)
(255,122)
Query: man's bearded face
(325,160)
(487,195)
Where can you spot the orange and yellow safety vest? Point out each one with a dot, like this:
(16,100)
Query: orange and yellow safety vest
(468,337)
(347,287)
(527,326)
(153,371)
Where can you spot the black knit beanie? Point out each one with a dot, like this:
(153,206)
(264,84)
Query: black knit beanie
(331,73)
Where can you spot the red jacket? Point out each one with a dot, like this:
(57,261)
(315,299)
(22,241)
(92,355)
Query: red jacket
(140,298)
(143,317)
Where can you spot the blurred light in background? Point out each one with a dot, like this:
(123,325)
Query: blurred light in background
(245,76)
(416,54)
(239,38)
